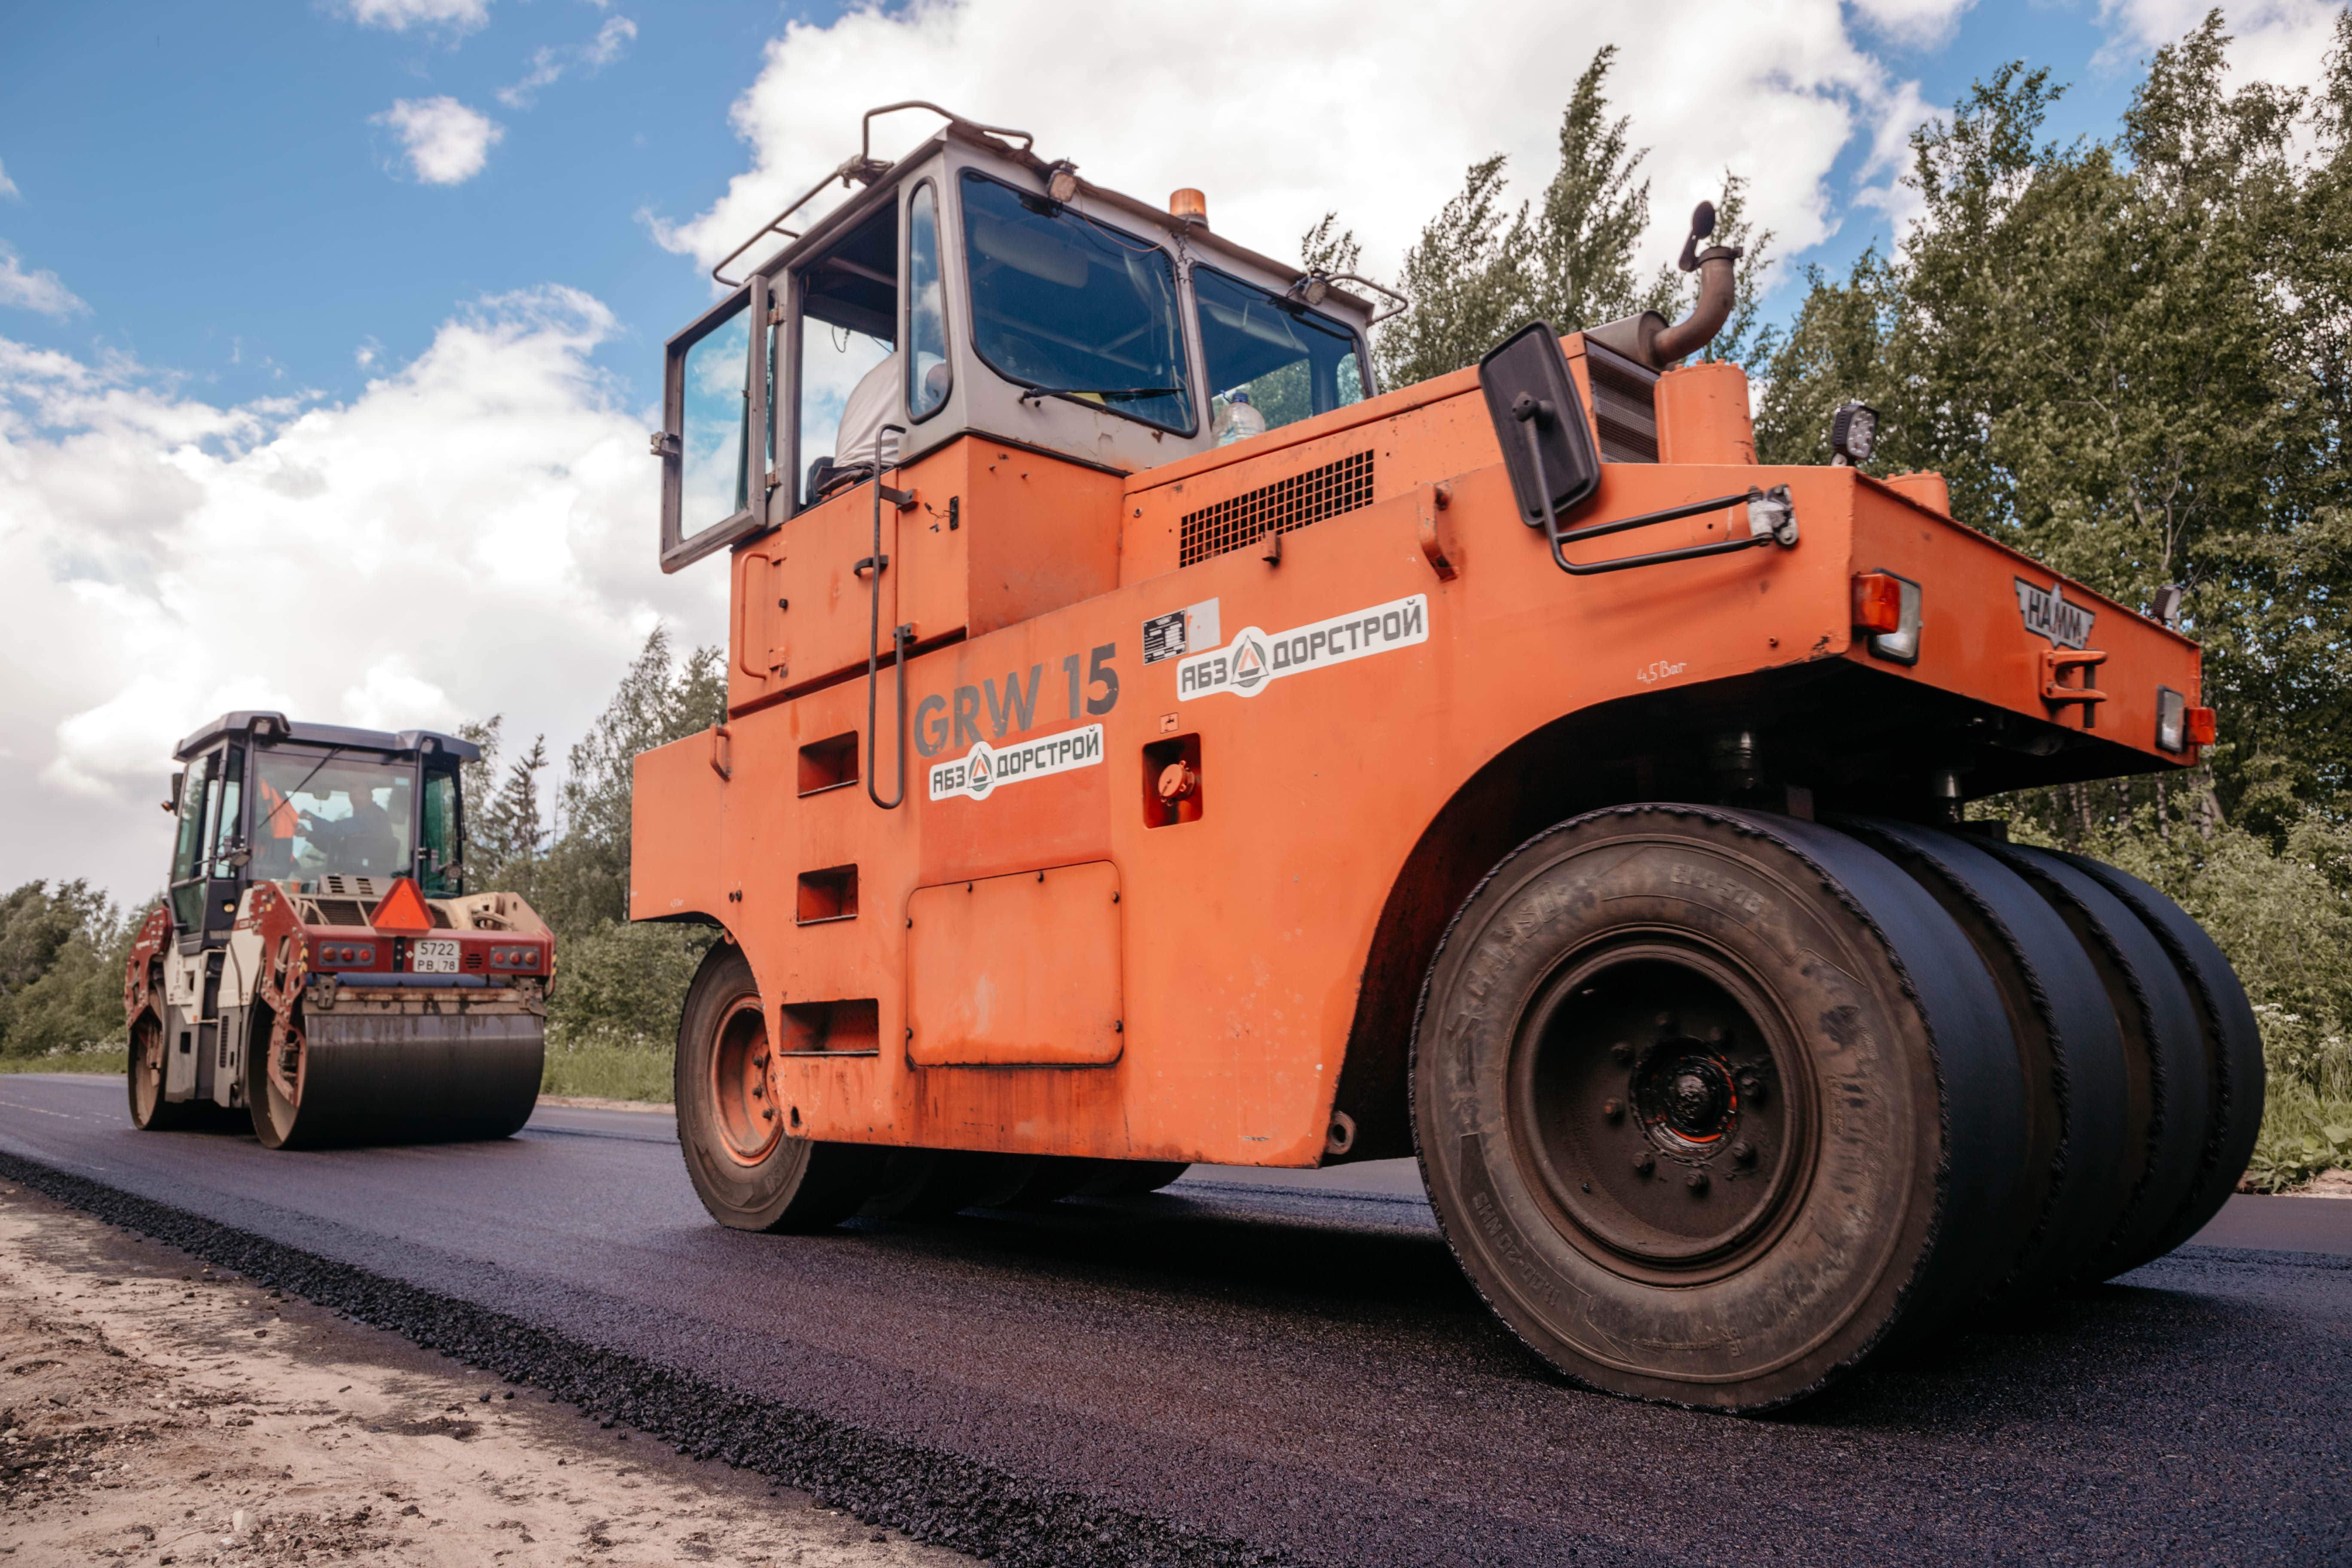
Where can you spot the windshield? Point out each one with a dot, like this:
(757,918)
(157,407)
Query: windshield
(1064,303)
(346,815)
(1269,365)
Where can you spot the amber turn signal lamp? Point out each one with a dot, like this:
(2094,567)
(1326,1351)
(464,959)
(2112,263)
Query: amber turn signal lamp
(1877,603)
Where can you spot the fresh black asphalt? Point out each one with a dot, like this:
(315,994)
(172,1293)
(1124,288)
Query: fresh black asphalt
(1263,1367)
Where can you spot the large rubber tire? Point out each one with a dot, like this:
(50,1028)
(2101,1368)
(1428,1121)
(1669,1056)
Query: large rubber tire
(2070,1050)
(748,1169)
(1770,1013)
(2236,1078)
(144,1076)
(2166,1092)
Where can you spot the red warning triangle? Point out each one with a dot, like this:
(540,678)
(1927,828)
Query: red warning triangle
(403,910)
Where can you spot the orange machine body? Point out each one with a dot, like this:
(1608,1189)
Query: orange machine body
(1369,680)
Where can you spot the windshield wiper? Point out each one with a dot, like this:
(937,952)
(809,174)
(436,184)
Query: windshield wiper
(1036,393)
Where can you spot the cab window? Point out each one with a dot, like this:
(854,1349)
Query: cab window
(444,843)
(1073,307)
(199,806)
(928,371)
(1271,361)
(228,832)
(849,373)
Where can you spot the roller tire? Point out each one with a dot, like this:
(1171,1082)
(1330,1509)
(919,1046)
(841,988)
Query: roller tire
(933,1183)
(2166,1094)
(144,1079)
(2236,1078)
(1130,1178)
(792,1184)
(2070,1048)
(1884,1150)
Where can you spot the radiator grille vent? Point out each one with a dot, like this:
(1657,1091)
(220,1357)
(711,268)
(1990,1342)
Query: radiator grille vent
(1624,407)
(1277,507)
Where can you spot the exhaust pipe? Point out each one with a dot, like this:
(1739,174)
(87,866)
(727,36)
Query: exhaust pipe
(1716,291)
(1646,339)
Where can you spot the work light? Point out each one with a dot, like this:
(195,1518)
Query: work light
(1853,434)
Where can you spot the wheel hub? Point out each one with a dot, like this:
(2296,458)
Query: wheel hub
(742,1094)
(1645,1093)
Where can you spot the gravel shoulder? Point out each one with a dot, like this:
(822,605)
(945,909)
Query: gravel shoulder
(154,1409)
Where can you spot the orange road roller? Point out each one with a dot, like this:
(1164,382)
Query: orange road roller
(1150,740)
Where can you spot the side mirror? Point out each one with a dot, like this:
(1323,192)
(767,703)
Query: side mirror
(178,780)
(1539,419)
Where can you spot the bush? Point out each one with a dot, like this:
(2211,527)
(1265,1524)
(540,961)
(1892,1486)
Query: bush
(61,957)
(623,985)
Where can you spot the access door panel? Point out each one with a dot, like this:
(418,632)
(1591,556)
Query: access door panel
(1016,970)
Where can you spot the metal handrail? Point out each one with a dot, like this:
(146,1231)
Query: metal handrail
(864,168)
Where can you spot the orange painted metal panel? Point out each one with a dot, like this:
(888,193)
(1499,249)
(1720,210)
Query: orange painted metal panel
(1016,970)
(1245,935)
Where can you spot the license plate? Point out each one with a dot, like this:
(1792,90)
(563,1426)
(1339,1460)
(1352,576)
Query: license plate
(433,956)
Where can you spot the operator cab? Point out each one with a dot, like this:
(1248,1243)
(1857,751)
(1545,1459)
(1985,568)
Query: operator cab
(337,812)
(973,289)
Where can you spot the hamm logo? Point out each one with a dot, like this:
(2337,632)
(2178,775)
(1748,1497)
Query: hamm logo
(2047,614)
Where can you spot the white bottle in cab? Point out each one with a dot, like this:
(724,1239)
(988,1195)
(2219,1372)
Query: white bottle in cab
(1238,420)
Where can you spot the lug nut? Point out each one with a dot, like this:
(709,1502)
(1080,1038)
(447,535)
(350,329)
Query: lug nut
(1622,1051)
(1666,1023)
(769,1114)
(1612,1109)
(1644,1162)
(1744,1152)
(1698,1183)
(1717,1034)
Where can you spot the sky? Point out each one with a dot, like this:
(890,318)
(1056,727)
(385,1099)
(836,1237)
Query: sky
(331,332)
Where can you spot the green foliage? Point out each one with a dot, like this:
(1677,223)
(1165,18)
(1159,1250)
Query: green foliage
(620,984)
(111,1060)
(612,1011)
(608,1072)
(61,958)
(2128,359)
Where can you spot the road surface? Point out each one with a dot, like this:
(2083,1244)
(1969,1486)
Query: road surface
(1264,1366)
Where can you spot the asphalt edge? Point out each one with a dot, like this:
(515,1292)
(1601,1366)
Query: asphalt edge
(931,1494)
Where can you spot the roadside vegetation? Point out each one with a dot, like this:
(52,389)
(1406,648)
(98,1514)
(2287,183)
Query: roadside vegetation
(2129,356)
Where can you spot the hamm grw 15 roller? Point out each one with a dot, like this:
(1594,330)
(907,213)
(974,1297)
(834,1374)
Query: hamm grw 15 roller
(319,961)
(1150,741)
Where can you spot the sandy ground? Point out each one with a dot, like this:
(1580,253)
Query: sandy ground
(2326,1185)
(155,1410)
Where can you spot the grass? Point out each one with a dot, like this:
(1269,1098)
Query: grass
(106,1059)
(609,1069)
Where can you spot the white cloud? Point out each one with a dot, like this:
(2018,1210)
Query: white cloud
(549,64)
(7,185)
(473,534)
(39,291)
(399,15)
(447,143)
(1912,24)
(2284,41)
(1373,109)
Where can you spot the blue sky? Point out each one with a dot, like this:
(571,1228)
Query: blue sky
(330,330)
(210,182)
